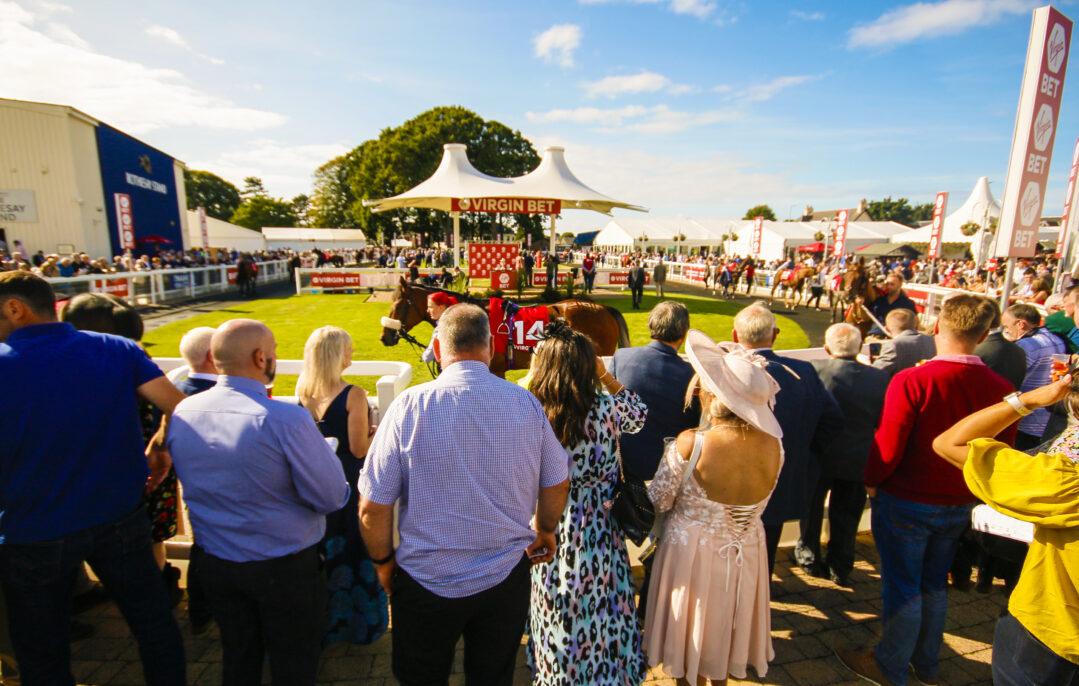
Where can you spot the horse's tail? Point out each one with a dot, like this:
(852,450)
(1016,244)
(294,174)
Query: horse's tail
(623,330)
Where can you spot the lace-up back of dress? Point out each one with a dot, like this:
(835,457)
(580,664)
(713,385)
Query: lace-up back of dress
(733,521)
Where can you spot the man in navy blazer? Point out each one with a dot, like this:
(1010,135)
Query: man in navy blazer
(195,349)
(657,374)
(807,413)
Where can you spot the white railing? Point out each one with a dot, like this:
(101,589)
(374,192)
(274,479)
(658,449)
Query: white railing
(394,377)
(165,285)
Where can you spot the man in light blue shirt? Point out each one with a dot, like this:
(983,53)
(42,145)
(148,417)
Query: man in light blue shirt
(469,457)
(1022,325)
(259,481)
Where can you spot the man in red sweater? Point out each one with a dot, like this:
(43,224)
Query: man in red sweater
(920,502)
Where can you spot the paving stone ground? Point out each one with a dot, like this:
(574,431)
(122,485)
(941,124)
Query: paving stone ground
(810,617)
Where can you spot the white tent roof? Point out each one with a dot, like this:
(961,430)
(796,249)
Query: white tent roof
(222,234)
(978,203)
(454,178)
(457,178)
(330,237)
(780,236)
(659,231)
(553,179)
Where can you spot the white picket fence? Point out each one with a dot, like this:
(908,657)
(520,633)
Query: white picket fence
(165,285)
(394,377)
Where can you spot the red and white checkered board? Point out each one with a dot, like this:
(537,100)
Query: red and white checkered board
(483,257)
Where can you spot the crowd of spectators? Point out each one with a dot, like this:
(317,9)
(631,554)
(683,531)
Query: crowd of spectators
(293,507)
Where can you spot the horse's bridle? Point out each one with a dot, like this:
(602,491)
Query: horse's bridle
(398,327)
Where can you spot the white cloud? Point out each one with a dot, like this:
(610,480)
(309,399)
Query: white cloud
(932,19)
(642,82)
(588,115)
(674,184)
(64,34)
(698,8)
(557,43)
(634,118)
(172,36)
(285,169)
(129,95)
(168,35)
(761,92)
(723,88)
(48,7)
(807,16)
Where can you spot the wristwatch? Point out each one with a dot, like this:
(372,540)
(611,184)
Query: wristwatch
(1017,404)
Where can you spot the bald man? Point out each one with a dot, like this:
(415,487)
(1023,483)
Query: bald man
(259,480)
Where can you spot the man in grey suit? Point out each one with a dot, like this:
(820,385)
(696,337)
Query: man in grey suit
(859,389)
(907,347)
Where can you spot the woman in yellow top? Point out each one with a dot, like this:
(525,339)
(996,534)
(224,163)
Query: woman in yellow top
(1038,641)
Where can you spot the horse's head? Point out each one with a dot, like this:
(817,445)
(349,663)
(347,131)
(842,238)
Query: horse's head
(853,284)
(409,308)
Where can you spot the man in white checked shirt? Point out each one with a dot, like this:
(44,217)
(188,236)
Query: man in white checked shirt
(469,457)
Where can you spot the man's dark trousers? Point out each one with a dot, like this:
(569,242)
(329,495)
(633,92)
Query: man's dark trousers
(844,512)
(1019,658)
(268,607)
(38,580)
(426,628)
(638,296)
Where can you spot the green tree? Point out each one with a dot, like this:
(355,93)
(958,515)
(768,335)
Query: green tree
(332,199)
(218,196)
(922,213)
(262,210)
(301,207)
(404,156)
(760,211)
(253,188)
(898,210)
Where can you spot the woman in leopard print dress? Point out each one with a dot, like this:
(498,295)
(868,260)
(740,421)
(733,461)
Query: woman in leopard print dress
(584,627)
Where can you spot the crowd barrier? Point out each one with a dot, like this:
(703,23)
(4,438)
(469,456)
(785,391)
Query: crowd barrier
(394,377)
(165,285)
(352,279)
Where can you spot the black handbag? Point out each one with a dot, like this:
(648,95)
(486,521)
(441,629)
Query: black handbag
(631,508)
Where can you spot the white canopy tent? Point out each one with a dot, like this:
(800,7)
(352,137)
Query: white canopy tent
(633,233)
(456,178)
(305,239)
(222,234)
(979,207)
(777,238)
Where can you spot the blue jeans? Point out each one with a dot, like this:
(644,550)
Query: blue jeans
(1020,659)
(917,545)
(38,579)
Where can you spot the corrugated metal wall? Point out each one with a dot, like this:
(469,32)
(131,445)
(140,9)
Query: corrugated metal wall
(52,151)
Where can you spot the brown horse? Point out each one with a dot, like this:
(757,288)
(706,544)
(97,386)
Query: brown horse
(856,291)
(794,286)
(603,324)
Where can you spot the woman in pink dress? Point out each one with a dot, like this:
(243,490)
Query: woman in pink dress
(708,613)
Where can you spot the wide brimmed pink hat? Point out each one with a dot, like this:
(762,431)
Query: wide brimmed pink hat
(738,378)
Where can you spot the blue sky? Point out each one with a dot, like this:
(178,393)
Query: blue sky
(695,107)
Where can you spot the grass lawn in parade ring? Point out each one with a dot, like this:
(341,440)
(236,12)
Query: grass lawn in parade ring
(293,318)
